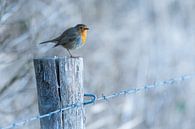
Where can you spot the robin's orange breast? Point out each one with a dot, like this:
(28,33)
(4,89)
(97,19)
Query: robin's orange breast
(84,36)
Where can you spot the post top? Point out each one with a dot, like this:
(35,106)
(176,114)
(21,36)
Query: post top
(58,57)
(70,64)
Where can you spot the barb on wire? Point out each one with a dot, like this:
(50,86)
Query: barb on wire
(146,87)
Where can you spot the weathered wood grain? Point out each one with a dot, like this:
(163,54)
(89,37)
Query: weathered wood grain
(59,84)
(71,83)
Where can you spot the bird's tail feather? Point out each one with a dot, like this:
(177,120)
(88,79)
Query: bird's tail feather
(53,40)
(55,45)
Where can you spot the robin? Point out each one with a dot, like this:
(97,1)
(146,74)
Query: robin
(72,38)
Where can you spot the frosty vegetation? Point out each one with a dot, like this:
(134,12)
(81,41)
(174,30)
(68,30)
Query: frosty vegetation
(130,43)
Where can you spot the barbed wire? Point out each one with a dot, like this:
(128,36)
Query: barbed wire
(146,87)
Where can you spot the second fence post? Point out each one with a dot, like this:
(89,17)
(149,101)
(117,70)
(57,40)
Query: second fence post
(60,84)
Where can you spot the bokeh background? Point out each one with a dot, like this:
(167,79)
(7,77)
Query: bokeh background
(130,43)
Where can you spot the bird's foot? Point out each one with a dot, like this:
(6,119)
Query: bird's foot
(74,56)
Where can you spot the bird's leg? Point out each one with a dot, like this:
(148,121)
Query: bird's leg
(71,56)
(69,53)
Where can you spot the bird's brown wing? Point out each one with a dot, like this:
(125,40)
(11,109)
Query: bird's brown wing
(69,31)
(68,36)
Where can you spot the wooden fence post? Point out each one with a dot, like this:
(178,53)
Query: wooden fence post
(59,84)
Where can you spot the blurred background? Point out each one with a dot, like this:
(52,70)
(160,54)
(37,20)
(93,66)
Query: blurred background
(130,43)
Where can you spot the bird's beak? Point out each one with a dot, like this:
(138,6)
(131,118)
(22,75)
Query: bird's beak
(86,28)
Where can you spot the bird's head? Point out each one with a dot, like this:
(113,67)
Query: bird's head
(83,31)
(81,28)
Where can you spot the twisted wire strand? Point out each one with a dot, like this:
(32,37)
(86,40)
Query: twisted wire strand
(146,87)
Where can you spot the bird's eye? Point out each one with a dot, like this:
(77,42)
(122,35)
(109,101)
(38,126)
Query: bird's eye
(80,28)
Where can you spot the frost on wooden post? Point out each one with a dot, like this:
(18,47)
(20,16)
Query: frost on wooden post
(60,84)
(71,81)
